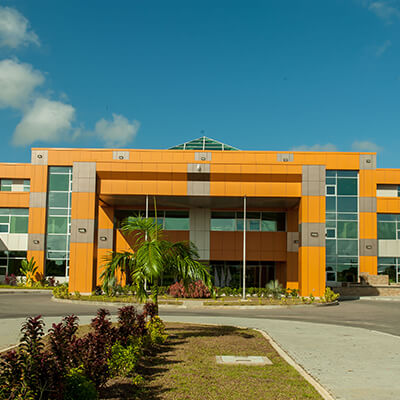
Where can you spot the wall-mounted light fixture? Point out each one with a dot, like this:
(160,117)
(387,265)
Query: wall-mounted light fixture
(202,158)
(198,167)
(36,241)
(296,241)
(314,234)
(103,238)
(121,157)
(82,230)
(368,161)
(39,156)
(368,246)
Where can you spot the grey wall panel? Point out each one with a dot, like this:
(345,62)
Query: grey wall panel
(39,157)
(84,177)
(284,157)
(368,247)
(198,168)
(36,241)
(367,161)
(313,180)
(368,204)
(312,234)
(293,239)
(195,188)
(120,155)
(82,237)
(200,230)
(37,199)
(105,238)
(202,156)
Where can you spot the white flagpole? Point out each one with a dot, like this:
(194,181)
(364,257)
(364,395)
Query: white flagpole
(244,248)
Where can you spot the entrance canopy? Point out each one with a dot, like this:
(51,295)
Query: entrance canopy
(200,201)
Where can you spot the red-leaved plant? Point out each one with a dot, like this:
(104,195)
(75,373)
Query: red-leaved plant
(196,290)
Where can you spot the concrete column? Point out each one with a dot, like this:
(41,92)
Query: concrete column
(200,230)
(82,275)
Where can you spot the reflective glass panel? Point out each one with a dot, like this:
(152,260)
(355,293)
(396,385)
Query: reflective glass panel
(347,230)
(57,224)
(349,204)
(18,224)
(347,187)
(59,182)
(387,230)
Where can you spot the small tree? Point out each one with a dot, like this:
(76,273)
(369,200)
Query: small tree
(29,269)
(151,257)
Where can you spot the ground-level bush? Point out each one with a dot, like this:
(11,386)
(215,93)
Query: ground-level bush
(72,367)
(196,290)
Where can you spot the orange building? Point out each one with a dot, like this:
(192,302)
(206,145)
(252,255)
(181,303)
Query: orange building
(312,218)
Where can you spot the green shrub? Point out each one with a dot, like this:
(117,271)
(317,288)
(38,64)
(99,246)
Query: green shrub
(330,295)
(61,292)
(274,288)
(156,331)
(78,387)
(123,360)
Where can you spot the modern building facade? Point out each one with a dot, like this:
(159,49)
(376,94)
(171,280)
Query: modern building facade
(312,218)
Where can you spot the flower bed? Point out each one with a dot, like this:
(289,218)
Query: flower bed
(65,366)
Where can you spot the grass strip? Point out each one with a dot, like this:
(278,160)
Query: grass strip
(184,368)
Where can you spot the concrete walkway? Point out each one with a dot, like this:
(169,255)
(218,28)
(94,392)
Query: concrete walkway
(351,363)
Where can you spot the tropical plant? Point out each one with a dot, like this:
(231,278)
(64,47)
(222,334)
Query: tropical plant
(153,256)
(29,269)
(274,288)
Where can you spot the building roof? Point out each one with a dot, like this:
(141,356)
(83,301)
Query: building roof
(204,143)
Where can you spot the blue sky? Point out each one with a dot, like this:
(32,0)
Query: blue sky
(259,75)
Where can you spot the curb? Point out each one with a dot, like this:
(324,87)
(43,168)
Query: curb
(37,291)
(191,306)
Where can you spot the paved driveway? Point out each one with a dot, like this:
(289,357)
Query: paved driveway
(352,349)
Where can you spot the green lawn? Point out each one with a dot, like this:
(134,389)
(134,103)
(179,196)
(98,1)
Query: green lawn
(185,369)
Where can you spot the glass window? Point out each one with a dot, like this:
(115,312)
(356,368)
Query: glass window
(387,217)
(347,217)
(4,228)
(347,230)
(330,247)
(56,242)
(57,224)
(349,204)
(331,181)
(386,230)
(330,204)
(278,218)
(331,216)
(59,182)
(56,267)
(59,200)
(59,211)
(177,223)
(18,224)
(223,221)
(27,185)
(347,247)
(330,233)
(347,273)
(19,211)
(348,174)
(347,187)
(6,185)
(330,173)
(4,219)
(331,190)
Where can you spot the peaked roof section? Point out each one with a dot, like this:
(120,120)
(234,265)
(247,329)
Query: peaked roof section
(204,143)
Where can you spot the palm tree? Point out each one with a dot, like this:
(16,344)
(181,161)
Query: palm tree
(151,257)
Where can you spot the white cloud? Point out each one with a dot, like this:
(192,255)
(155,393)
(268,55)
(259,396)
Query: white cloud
(316,147)
(14,29)
(117,132)
(385,10)
(17,82)
(366,146)
(382,48)
(46,121)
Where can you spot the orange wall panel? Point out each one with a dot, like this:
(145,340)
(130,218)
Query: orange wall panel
(389,205)
(81,277)
(83,205)
(312,271)
(39,178)
(367,183)
(313,209)
(37,220)
(368,226)
(14,199)
(369,264)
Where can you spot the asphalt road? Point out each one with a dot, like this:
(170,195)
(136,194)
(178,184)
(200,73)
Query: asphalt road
(382,316)
(346,347)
